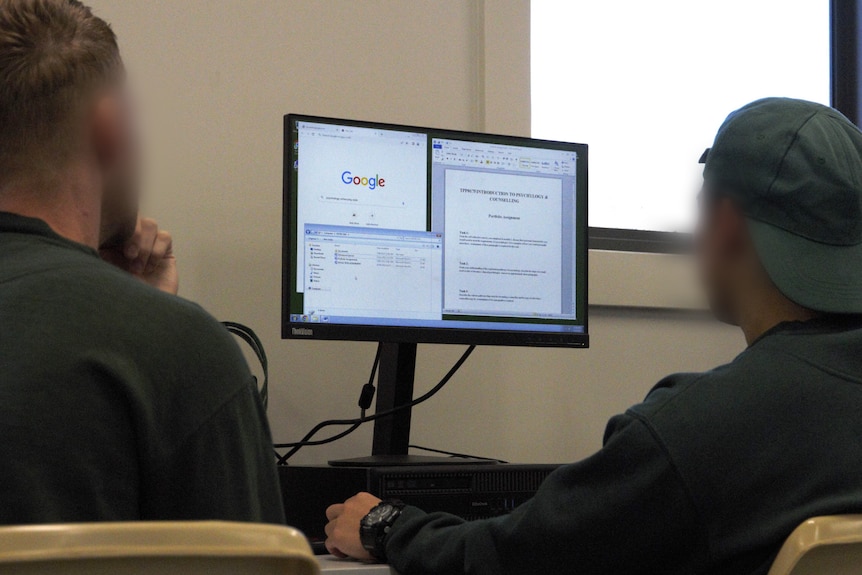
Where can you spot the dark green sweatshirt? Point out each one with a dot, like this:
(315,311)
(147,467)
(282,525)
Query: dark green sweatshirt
(709,475)
(117,401)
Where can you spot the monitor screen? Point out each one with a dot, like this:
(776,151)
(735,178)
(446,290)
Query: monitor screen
(405,234)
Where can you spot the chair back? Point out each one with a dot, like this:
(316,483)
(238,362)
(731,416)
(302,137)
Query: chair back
(163,548)
(829,545)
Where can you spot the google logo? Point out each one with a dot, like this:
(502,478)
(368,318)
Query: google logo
(371,183)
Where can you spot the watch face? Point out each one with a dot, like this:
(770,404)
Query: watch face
(379,513)
(376,525)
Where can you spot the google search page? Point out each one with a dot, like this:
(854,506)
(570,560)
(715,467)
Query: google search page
(359,177)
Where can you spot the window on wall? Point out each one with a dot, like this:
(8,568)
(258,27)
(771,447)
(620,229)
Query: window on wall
(646,85)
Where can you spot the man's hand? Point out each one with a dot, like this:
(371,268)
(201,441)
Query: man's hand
(148,255)
(342,531)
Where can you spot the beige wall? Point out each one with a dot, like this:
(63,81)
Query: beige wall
(214,78)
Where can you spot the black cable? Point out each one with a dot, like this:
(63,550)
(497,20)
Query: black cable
(455,454)
(368,390)
(247,335)
(365,399)
(355,423)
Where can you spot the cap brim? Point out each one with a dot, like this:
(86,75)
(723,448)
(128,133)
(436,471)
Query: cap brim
(821,277)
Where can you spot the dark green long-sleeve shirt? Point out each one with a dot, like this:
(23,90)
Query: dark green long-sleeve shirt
(119,402)
(709,475)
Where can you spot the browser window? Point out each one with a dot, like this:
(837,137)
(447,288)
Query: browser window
(360,177)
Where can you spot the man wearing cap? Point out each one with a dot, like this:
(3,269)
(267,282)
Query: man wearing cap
(713,470)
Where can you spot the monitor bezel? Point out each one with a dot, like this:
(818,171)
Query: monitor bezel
(400,334)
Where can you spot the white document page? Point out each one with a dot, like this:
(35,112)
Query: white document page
(503,244)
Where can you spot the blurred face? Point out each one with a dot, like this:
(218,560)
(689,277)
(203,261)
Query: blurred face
(119,161)
(719,244)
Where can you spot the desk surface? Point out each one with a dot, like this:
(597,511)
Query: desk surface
(330,564)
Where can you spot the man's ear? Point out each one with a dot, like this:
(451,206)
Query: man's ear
(730,227)
(107,130)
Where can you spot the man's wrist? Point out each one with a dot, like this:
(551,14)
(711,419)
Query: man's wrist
(375,526)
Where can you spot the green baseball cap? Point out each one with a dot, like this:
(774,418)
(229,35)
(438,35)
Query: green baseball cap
(795,169)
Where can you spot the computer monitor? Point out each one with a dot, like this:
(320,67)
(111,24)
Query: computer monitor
(410,235)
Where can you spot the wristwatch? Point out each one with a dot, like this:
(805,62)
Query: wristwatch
(376,525)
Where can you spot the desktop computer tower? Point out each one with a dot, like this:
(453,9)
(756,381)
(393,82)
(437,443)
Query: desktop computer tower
(468,491)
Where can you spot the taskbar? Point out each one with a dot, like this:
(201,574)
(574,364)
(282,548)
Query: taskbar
(437,323)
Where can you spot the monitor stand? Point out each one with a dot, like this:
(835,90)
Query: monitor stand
(397,370)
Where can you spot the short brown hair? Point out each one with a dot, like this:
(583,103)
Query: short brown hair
(53,55)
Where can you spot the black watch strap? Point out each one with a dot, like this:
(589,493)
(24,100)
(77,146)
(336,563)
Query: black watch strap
(375,526)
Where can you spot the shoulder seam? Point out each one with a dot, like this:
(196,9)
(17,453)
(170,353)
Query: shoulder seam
(831,371)
(690,384)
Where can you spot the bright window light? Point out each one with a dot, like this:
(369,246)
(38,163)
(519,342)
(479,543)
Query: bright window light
(646,85)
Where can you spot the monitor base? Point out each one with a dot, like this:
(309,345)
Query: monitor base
(406,461)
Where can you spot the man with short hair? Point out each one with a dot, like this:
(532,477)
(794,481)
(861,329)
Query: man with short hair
(118,400)
(713,470)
